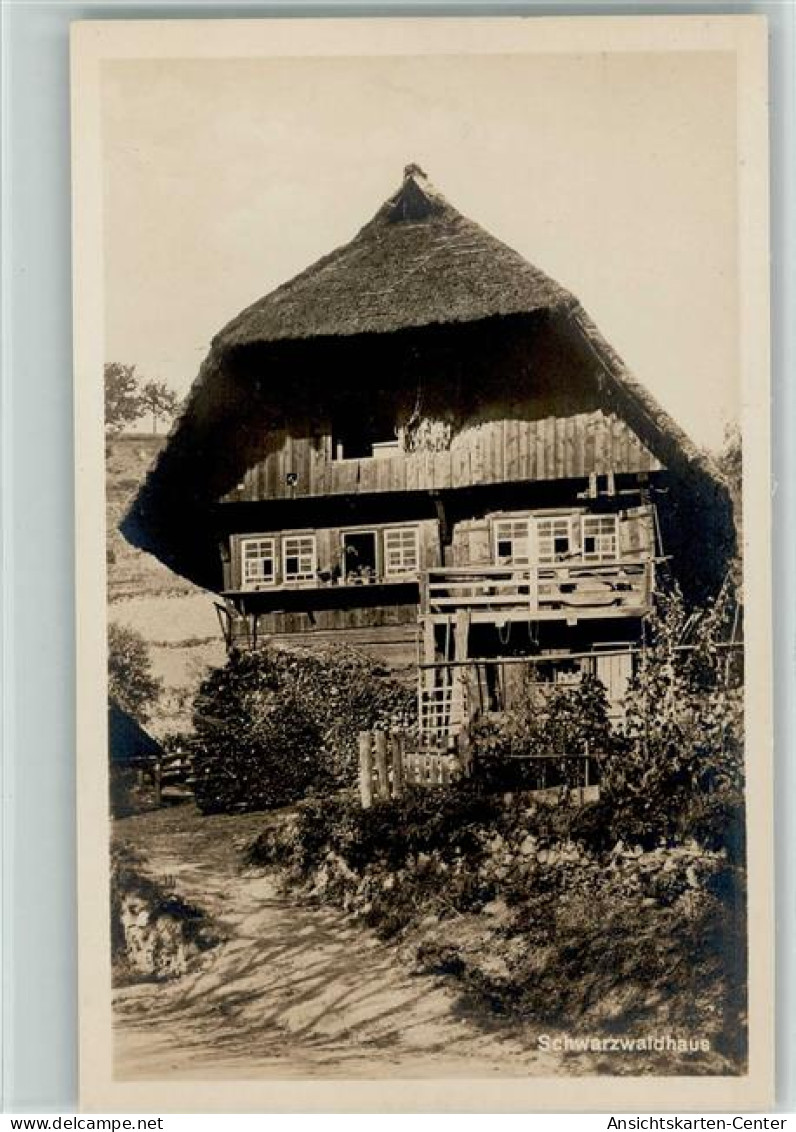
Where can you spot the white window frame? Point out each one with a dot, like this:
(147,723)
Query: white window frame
(606,541)
(558,526)
(516,529)
(310,555)
(257,580)
(402,569)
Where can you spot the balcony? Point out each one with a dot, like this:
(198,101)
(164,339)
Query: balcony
(571,591)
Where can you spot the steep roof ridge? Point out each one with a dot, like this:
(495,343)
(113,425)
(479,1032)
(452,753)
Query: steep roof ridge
(417,206)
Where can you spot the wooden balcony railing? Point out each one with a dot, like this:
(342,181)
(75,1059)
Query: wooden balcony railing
(562,590)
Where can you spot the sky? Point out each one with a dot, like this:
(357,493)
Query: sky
(614,173)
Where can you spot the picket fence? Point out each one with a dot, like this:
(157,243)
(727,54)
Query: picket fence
(388,765)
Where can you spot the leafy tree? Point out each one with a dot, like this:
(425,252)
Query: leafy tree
(130,681)
(122,396)
(160,401)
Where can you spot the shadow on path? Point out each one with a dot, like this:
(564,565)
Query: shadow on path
(297,989)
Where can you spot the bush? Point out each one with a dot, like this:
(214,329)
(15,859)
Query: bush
(272,725)
(673,769)
(449,820)
(122,782)
(268,757)
(531,923)
(680,771)
(570,720)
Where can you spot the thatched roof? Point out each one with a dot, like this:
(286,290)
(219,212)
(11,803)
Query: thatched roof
(417,269)
(418,262)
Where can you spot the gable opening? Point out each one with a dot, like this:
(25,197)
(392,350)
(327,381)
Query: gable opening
(362,438)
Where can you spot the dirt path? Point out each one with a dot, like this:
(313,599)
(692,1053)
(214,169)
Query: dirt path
(294,990)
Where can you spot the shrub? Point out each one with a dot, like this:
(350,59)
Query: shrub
(680,771)
(570,720)
(531,923)
(449,820)
(122,793)
(268,756)
(344,691)
(271,725)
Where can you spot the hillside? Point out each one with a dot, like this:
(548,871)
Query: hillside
(177,620)
(131,572)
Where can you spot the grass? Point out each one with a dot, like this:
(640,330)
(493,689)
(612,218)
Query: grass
(180,831)
(130,571)
(176,619)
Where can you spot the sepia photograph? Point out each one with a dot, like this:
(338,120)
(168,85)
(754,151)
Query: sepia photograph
(422,467)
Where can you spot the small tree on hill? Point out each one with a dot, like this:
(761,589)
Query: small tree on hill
(130,681)
(122,396)
(160,401)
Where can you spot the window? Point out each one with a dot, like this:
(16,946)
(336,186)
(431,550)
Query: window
(363,435)
(298,558)
(512,541)
(401,551)
(259,562)
(599,537)
(554,539)
(359,556)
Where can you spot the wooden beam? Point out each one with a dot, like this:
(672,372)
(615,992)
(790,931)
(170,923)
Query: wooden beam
(544,658)
(382,780)
(366,769)
(444,527)
(397,752)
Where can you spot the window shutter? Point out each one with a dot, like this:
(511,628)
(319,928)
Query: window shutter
(479,548)
(636,537)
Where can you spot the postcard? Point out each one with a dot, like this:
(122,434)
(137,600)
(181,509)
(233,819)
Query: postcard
(424,663)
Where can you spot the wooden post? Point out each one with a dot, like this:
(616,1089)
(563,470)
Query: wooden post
(157,780)
(463,751)
(382,781)
(397,750)
(365,770)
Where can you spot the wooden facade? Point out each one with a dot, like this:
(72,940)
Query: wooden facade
(302,462)
(522,520)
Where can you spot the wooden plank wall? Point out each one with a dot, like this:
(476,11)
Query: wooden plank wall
(615,671)
(491,452)
(389,632)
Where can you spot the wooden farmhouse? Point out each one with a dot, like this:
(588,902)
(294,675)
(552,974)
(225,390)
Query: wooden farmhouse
(424,438)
